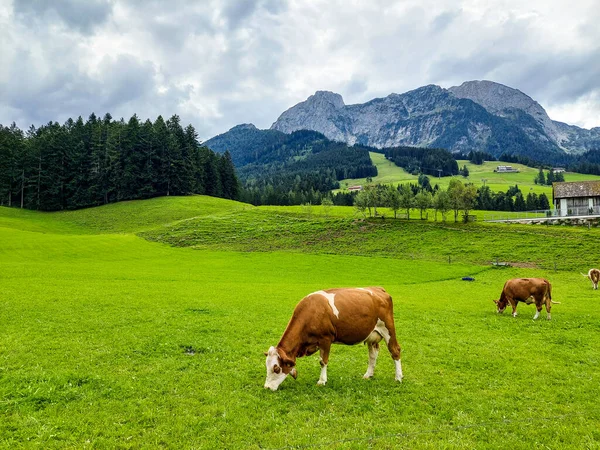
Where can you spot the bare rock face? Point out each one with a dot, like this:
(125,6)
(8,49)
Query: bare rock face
(477,115)
(500,100)
(323,112)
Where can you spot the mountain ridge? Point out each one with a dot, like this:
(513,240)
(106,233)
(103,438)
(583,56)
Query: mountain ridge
(477,115)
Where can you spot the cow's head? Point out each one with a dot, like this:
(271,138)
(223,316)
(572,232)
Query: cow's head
(501,304)
(279,366)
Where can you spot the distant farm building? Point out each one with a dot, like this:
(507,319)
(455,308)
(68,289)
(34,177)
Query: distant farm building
(505,169)
(558,169)
(355,188)
(580,198)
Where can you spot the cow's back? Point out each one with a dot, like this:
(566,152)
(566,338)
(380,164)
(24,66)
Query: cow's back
(358,312)
(523,288)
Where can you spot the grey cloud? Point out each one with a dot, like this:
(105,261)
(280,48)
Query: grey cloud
(443,20)
(82,15)
(217,63)
(123,85)
(237,12)
(355,87)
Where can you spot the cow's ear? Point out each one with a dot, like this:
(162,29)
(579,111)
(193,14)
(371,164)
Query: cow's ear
(266,353)
(495,301)
(286,361)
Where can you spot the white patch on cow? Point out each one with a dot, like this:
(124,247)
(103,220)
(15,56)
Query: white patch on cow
(399,374)
(323,376)
(330,298)
(273,379)
(537,314)
(382,330)
(365,289)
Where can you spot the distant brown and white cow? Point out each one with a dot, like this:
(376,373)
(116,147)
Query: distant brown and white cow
(345,316)
(594,276)
(527,290)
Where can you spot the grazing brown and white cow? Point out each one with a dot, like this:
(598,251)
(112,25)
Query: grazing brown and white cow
(594,276)
(345,316)
(527,290)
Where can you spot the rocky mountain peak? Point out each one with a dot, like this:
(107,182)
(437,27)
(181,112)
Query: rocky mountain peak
(321,97)
(477,115)
(244,126)
(500,99)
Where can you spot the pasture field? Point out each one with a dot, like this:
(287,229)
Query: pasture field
(143,325)
(389,173)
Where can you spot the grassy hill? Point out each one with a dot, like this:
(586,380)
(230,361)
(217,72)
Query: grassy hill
(110,338)
(389,173)
(122,217)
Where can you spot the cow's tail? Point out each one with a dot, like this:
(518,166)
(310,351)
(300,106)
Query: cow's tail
(584,275)
(550,294)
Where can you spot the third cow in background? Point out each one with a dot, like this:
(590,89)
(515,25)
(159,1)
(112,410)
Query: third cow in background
(527,290)
(594,276)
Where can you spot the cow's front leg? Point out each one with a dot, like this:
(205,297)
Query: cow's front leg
(324,359)
(514,308)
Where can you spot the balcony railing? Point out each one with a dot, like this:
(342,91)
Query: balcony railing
(576,211)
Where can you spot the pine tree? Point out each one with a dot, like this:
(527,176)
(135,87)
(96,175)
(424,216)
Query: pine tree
(147,162)
(229,181)
(540,178)
(543,202)
(520,202)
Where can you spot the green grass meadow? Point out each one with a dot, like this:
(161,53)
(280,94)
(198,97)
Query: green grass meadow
(389,173)
(143,325)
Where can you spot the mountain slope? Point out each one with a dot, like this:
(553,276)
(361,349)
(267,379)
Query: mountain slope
(246,143)
(478,115)
(500,100)
(429,116)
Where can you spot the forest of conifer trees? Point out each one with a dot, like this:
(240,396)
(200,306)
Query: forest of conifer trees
(81,164)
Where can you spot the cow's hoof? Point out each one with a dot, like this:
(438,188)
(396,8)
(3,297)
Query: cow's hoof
(366,376)
(399,380)
(321,383)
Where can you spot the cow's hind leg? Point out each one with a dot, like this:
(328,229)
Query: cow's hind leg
(548,308)
(389,335)
(373,343)
(324,359)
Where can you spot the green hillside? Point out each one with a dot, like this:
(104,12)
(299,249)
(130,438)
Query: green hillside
(389,173)
(143,324)
(122,217)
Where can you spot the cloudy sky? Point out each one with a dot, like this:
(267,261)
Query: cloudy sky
(219,63)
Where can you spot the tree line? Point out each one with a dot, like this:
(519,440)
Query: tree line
(416,160)
(316,167)
(457,198)
(81,164)
(549,178)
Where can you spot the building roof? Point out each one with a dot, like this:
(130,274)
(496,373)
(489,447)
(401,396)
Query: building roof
(576,189)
